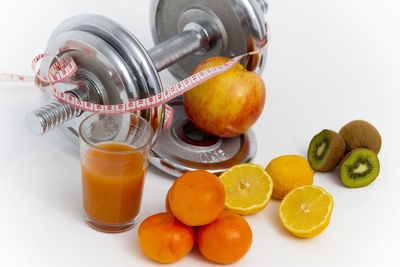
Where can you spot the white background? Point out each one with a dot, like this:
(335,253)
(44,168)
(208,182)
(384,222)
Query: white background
(329,62)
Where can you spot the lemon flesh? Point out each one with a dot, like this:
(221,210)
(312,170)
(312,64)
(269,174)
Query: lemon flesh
(248,188)
(306,211)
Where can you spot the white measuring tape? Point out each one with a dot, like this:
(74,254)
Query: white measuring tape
(64,68)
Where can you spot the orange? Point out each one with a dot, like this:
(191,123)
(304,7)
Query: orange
(225,240)
(197,198)
(165,239)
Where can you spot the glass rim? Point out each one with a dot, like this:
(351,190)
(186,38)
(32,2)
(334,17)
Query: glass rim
(91,144)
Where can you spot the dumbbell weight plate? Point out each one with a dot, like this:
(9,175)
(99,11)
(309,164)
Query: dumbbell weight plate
(146,81)
(182,147)
(97,62)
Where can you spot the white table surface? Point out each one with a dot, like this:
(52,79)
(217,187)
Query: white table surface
(329,62)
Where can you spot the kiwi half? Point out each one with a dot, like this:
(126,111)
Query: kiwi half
(361,134)
(360,167)
(325,151)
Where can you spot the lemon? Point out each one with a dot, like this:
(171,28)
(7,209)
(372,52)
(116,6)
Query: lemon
(306,211)
(248,188)
(288,172)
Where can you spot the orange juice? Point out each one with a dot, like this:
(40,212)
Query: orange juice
(112,182)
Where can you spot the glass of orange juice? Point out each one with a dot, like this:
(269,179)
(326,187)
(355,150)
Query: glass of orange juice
(114,151)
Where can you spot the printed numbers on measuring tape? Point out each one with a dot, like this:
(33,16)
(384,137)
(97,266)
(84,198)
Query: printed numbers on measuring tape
(63,69)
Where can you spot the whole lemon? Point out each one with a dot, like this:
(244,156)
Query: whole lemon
(289,172)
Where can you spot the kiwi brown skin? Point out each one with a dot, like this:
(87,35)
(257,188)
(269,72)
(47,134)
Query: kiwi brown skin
(361,134)
(336,152)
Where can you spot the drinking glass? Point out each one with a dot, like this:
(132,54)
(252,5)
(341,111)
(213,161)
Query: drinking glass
(114,153)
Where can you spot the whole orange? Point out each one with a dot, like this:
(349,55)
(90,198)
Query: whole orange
(197,198)
(225,240)
(165,239)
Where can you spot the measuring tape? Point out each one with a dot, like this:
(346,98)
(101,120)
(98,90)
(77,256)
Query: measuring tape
(64,68)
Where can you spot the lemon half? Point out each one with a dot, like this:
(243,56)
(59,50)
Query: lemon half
(248,188)
(306,211)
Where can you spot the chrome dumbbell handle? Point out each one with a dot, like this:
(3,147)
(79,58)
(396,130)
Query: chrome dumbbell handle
(165,54)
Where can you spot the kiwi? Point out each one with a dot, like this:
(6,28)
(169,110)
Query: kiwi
(358,168)
(361,134)
(325,151)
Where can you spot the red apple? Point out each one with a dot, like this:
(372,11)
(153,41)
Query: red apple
(228,104)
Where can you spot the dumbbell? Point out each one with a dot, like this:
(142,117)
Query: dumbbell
(114,68)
